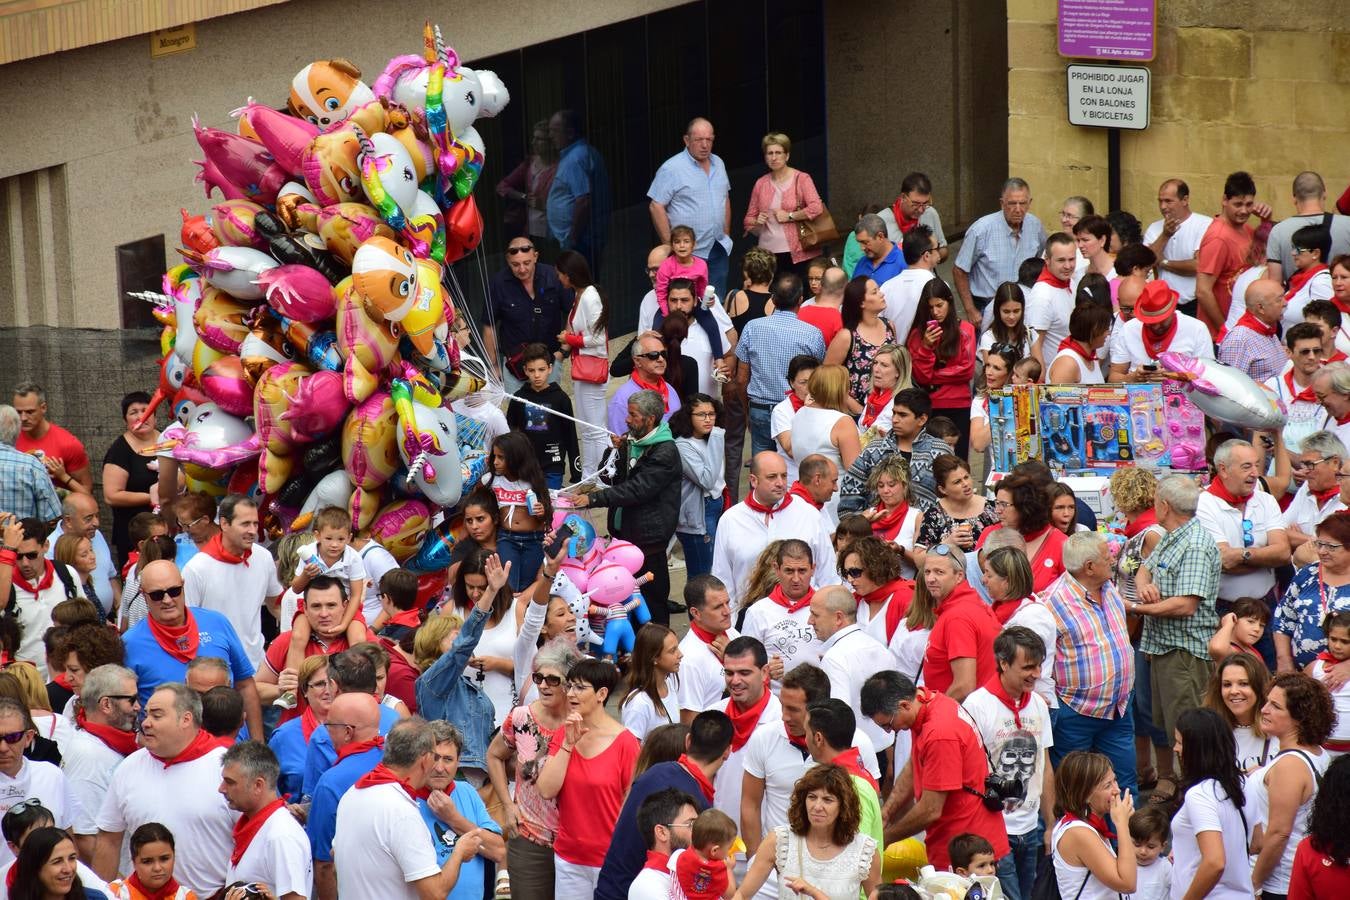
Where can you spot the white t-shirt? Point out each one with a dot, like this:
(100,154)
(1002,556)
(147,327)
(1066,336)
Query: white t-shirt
(702,683)
(987,341)
(349,568)
(279,856)
(376,561)
(979,408)
(1016,748)
(780,422)
(1316,288)
(1340,698)
(782,633)
(198,817)
(742,534)
(381,845)
(1302,417)
(1035,615)
(236,591)
(640,716)
(1224,523)
(1181,246)
(1192,339)
(1207,809)
(850,657)
(727,782)
(1047,311)
(1304,512)
(1253,750)
(88,764)
(902,299)
(47,783)
(1245,279)
(650,885)
(1152,882)
(35,617)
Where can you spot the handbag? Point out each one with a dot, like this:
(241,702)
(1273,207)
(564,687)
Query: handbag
(590,369)
(813,233)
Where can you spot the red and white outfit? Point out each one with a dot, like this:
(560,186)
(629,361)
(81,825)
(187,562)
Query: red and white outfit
(1089,366)
(702,683)
(34,603)
(381,839)
(748,527)
(1016,732)
(727,782)
(272,848)
(588,806)
(653,882)
(1306,510)
(1304,414)
(47,783)
(588,397)
(1313,283)
(1223,515)
(89,760)
(1049,304)
(900,527)
(1338,743)
(850,657)
(1188,335)
(781,626)
(235,587)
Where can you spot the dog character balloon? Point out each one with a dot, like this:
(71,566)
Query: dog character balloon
(385,276)
(325,92)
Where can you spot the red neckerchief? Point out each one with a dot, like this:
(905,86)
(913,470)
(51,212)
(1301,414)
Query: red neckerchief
(361,747)
(198,747)
(1342,306)
(166,892)
(246,828)
(657,862)
(1073,346)
(44,582)
(64,680)
(877,400)
(1004,610)
(308,722)
(1299,279)
(1324,496)
(1154,345)
(1029,536)
(1098,823)
(1144,520)
(792,606)
(1238,647)
(179,641)
(696,773)
(1338,356)
(702,633)
(797,402)
(743,722)
(1343,420)
(382,774)
(132,558)
(123,743)
(905,225)
(851,762)
(898,606)
(1326,657)
(662,387)
(995,687)
(409,617)
(798,742)
(767,511)
(1306,395)
(799,490)
(1049,279)
(215,548)
(887,526)
(1216,487)
(1256,325)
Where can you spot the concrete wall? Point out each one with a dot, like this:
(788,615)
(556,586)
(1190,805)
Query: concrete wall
(1236,85)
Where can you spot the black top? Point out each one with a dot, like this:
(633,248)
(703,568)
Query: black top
(553,437)
(520,319)
(140,478)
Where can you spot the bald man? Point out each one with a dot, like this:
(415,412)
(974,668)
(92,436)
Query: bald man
(162,655)
(1253,345)
(79,516)
(354,724)
(768,513)
(850,655)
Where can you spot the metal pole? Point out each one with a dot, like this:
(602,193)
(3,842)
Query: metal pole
(1113,168)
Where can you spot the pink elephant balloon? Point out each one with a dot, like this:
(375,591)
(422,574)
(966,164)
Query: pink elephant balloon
(624,554)
(611,583)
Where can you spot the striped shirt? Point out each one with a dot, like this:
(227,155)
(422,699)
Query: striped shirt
(1186,563)
(695,198)
(768,345)
(1094,662)
(992,251)
(25,487)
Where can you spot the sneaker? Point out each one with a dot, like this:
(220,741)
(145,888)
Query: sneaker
(286,700)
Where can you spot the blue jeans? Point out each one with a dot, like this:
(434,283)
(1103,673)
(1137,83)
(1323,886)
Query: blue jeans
(761,428)
(553,480)
(1143,702)
(525,551)
(1026,856)
(698,548)
(717,269)
(1008,878)
(1113,738)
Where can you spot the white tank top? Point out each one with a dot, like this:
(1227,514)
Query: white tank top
(1278,880)
(1087,374)
(1070,878)
(498,640)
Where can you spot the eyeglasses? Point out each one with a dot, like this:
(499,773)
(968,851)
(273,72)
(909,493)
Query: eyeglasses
(13,738)
(31,555)
(678,824)
(1000,505)
(318,685)
(1304,464)
(578,687)
(1328,545)
(706,414)
(550,680)
(190,525)
(1248,538)
(942,550)
(127,697)
(338,725)
(158,596)
(1308,351)
(653,355)
(516,251)
(853,572)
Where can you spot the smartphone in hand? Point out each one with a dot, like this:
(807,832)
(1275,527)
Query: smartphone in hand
(561,536)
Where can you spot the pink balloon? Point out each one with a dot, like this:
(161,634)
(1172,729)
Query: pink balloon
(212,179)
(242,162)
(624,554)
(611,583)
(299,292)
(317,407)
(224,384)
(284,136)
(576,573)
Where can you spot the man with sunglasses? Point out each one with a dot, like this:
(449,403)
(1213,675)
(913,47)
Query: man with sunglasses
(1248,527)
(160,647)
(105,734)
(650,360)
(22,778)
(354,725)
(38,585)
(526,305)
(1304,343)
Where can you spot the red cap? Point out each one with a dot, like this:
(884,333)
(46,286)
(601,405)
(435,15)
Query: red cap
(1157,303)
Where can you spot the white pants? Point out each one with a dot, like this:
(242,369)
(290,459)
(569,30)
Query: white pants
(573,881)
(590,407)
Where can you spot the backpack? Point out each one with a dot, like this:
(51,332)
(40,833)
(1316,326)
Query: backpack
(67,584)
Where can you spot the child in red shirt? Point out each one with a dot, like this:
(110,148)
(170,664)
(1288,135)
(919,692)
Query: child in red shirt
(702,871)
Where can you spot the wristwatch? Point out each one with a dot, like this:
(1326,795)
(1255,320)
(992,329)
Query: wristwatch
(1246,555)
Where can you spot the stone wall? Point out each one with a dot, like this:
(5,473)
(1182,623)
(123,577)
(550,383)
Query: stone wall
(1238,85)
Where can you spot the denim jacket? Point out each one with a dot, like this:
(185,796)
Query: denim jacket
(443,692)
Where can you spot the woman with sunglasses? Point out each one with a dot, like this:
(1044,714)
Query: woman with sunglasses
(1317,589)
(530,820)
(872,568)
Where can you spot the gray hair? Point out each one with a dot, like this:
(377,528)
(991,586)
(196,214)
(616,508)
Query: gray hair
(1003,537)
(1224,455)
(445,733)
(1324,443)
(1339,376)
(648,404)
(1015,184)
(9,424)
(70,507)
(25,388)
(255,760)
(407,742)
(1179,492)
(839,599)
(870,224)
(104,681)
(1080,549)
(210,662)
(185,700)
(635,349)
(559,654)
(1084,204)
(955,554)
(12,707)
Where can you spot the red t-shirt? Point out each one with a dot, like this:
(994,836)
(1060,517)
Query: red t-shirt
(947,757)
(275,657)
(1048,563)
(402,681)
(592,795)
(1316,875)
(1223,254)
(965,629)
(826,318)
(58,444)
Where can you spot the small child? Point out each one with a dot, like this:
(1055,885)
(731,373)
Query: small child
(331,554)
(1240,628)
(1336,626)
(945,429)
(972,856)
(523,503)
(703,871)
(1151,829)
(851,527)
(1027,370)
(152,860)
(554,438)
(681,263)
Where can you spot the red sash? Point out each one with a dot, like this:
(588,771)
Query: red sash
(995,687)
(246,828)
(1216,487)
(1255,324)
(1324,496)
(797,402)
(44,582)
(905,225)
(167,892)
(799,490)
(1299,279)
(877,400)
(382,774)
(198,747)
(798,742)
(120,742)
(696,773)
(1098,823)
(360,747)
(702,633)
(308,722)
(792,606)
(1306,395)
(662,387)
(1070,344)
(1049,279)
(743,722)
(657,862)
(179,641)
(1144,520)
(898,606)
(850,762)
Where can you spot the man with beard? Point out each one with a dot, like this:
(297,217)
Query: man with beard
(663,819)
(105,734)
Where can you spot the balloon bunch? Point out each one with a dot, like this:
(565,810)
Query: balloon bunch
(600,583)
(307,344)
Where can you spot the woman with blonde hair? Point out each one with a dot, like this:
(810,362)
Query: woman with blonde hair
(49,725)
(824,426)
(891,372)
(780,201)
(893,519)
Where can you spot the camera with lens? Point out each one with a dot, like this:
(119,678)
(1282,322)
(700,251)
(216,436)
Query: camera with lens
(1001,792)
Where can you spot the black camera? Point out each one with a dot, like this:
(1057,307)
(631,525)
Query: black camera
(1001,793)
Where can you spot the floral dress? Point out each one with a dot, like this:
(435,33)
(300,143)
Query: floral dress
(1305,604)
(538,817)
(859,361)
(937,523)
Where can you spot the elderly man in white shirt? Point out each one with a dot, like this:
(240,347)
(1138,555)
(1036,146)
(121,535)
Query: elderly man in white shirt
(1320,456)
(850,655)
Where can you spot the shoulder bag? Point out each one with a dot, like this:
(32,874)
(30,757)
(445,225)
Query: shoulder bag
(818,231)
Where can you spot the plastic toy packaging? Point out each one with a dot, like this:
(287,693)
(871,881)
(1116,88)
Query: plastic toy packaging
(1148,426)
(949,886)
(1106,427)
(1185,427)
(1061,420)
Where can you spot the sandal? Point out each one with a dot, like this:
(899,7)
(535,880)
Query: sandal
(1148,778)
(502,889)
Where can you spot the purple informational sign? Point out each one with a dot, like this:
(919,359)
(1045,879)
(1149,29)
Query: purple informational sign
(1107,29)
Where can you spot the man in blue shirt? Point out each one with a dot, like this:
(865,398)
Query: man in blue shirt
(454,808)
(352,673)
(994,246)
(706,748)
(159,648)
(353,726)
(579,199)
(691,188)
(882,260)
(25,487)
(526,305)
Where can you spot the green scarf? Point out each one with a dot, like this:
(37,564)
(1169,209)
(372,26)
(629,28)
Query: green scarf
(658,435)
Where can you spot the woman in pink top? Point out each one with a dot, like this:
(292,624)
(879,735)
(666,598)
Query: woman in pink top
(779,202)
(589,768)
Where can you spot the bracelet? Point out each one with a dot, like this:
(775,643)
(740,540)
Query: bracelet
(565,748)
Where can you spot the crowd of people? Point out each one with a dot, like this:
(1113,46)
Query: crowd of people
(876,651)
